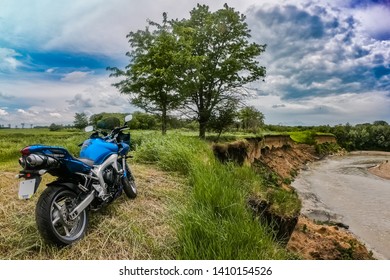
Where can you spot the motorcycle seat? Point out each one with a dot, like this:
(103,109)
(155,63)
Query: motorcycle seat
(86,161)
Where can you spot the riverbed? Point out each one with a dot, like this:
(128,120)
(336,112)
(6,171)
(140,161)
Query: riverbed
(341,189)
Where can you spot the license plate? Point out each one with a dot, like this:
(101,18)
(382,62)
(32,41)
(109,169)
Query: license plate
(27,188)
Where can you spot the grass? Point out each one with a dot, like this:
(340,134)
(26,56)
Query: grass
(189,206)
(216,222)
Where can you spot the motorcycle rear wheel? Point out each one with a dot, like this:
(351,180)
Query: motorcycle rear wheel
(129,184)
(52,216)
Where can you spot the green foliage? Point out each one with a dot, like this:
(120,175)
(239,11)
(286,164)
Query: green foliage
(80,120)
(55,127)
(303,137)
(221,59)
(108,123)
(196,63)
(152,76)
(327,148)
(367,136)
(144,121)
(223,117)
(94,119)
(251,119)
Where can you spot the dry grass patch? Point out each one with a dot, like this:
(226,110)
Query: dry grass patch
(127,229)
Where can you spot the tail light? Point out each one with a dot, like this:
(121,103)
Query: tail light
(25,151)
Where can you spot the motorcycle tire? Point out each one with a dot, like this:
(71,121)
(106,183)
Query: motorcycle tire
(52,217)
(129,184)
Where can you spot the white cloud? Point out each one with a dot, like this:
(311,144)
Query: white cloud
(43,102)
(3,112)
(55,115)
(8,60)
(75,76)
(334,109)
(317,56)
(375,20)
(29,113)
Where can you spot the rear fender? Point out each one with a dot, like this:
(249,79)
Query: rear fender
(68,185)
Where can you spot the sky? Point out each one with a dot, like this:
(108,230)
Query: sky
(328,62)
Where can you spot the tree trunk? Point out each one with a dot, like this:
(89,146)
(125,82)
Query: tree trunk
(164,122)
(202,129)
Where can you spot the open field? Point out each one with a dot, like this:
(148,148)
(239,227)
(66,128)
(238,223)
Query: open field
(190,206)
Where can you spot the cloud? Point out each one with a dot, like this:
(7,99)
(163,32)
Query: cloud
(3,112)
(8,60)
(317,50)
(278,106)
(80,101)
(5,96)
(336,109)
(75,76)
(55,115)
(29,113)
(369,17)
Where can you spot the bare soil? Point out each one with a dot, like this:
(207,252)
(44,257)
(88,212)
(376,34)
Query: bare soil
(382,170)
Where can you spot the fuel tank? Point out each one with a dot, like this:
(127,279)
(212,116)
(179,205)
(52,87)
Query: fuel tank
(97,150)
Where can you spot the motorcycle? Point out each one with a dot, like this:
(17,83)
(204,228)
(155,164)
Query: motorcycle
(89,182)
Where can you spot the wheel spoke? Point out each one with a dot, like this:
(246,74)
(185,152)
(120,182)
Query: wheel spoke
(67,233)
(55,221)
(56,205)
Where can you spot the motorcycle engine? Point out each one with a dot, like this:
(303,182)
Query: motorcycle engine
(109,176)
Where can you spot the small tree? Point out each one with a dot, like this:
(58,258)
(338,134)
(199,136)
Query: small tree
(80,120)
(222,118)
(251,119)
(55,127)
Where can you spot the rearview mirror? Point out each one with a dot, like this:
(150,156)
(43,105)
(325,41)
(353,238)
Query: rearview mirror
(128,118)
(88,128)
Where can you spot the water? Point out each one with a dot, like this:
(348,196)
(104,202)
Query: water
(341,189)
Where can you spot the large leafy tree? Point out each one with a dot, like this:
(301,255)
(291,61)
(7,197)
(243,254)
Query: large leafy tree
(152,76)
(220,60)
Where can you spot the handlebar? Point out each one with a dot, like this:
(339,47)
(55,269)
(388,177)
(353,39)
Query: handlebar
(112,135)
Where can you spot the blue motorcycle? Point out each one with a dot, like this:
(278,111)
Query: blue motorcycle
(89,182)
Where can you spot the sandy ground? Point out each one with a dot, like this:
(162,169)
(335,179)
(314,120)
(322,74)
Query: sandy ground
(382,170)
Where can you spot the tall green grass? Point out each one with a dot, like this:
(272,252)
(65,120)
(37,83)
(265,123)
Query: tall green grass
(216,222)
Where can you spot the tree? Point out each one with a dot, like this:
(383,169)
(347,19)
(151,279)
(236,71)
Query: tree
(223,117)
(151,78)
(80,120)
(108,123)
(381,123)
(55,127)
(219,59)
(251,119)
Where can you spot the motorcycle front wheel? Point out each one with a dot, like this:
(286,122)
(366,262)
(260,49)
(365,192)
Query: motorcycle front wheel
(129,184)
(52,216)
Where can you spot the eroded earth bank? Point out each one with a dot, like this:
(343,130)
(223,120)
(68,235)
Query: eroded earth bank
(313,237)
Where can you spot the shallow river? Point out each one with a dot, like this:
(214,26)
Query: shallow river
(341,189)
